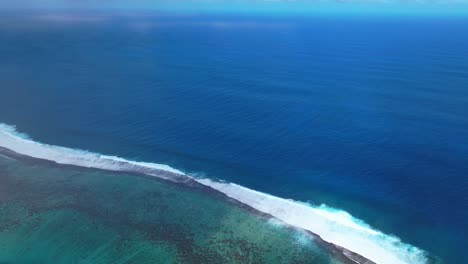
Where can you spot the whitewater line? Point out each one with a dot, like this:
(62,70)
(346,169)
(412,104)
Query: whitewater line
(332,225)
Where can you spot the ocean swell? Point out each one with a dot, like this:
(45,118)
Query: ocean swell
(332,225)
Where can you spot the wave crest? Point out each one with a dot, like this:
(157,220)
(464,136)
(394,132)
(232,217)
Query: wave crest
(332,225)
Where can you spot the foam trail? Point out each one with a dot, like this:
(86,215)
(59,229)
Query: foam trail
(332,225)
(22,144)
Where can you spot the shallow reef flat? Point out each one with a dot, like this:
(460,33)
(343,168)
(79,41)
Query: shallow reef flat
(65,214)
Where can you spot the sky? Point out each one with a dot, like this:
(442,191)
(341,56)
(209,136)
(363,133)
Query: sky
(430,7)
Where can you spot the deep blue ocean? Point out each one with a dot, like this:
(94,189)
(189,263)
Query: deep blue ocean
(365,114)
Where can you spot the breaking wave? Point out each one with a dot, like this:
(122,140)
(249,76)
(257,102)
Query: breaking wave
(332,225)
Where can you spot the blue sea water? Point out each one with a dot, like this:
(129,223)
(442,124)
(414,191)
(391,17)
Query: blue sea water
(369,115)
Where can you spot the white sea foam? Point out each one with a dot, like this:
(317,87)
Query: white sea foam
(22,144)
(332,225)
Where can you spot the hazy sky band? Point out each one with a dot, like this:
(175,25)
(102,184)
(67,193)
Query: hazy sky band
(409,7)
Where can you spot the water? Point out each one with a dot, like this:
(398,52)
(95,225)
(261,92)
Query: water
(67,215)
(367,115)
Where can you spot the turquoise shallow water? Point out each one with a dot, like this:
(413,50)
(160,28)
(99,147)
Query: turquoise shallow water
(71,215)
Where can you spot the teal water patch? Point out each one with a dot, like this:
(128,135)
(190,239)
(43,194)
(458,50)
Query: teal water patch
(71,215)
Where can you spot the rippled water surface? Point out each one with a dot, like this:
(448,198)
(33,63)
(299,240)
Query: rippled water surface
(368,115)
